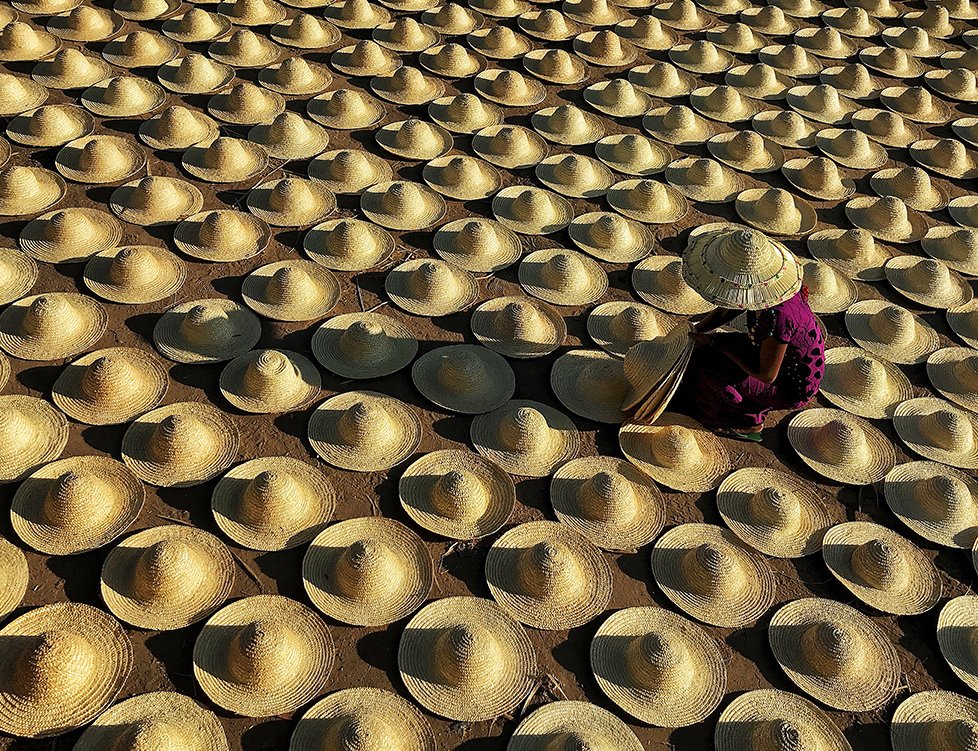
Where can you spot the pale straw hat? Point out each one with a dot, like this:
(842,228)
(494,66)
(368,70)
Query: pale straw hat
(291,290)
(928,282)
(964,322)
(965,128)
(69,235)
(477,245)
(769,719)
(549,25)
(305,32)
(617,326)
(154,200)
(110,386)
(890,331)
(841,446)
(499,42)
(605,48)
(937,430)
(177,128)
(245,49)
(776,211)
(33,433)
(801,8)
(822,103)
(934,720)
(703,179)
(362,717)
(404,34)
(960,9)
(146,10)
(525,437)
(935,501)
(452,60)
(51,326)
(947,157)
(572,723)
(772,511)
(429,287)
(759,81)
(662,79)
(291,202)
(407,86)
(659,281)
(648,201)
(464,113)
(85,23)
(457,494)
(290,136)
(509,88)
(273,503)
(69,69)
(935,20)
(785,128)
(818,177)
(915,41)
(768,19)
(892,62)
(609,501)
(196,25)
(509,146)
(611,237)
(568,125)
(518,327)
(830,291)
(852,21)
(826,42)
(159,717)
(402,205)
(916,103)
(195,74)
(835,654)
(953,371)
(363,345)
(658,666)
(365,58)
(462,177)
(100,159)
(683,15)
(364,431)
(222,235)
(882,568)
(139,49)
(964,210)
(252,12)
(737,37)
(348,244)
(18,274)
(123,96)
(562,277)
(350,171)
(676,452)
(263,655)
(246,104)
(852,80)
(593,12)
(206,331)
(854,252)
(50,125)
(678,125)
(633,154)
(647,33)
(886,218)
(64,665)
(556,66)
(345,109)
(702,57)
(464,378)
(957,247)
(862,384)
(27,190)
(531,211)
(356,14)
(20,42)
(14,577)
(956,630)
(723,103)
(792,60)
(270,381)
(590,383)
(225,160)
(911,185)
(746,151)
(959,84)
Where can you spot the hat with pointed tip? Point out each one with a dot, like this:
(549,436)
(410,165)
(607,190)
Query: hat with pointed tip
(841,446)
(225,160)
(862,384)
(140,49)
(291,202)
(478,245)
(33,433)
(647,33)
(414,139)
(462,177)
(526,438)
(771,720)
(196,25)
(768,19)
(202,331)
(633,154)
(246,104)
(349,171)
(663,80)
(955,246)
(365,58)
(69,69)
(509,146)
(252,12)
(270,381)
(363,345)
(611,237)
(464,378)
(852,251)
(222,235)
(407,85)
(405,34)
(819,177)
(531,211)
(792,60)
(916,103)
(245,49)
(518,327)
(177,128)
(464,113)
(356,14)
(575,175)
(85,23)
(590,383)
(345,109)
(785,128)
(676,452)
(51,326)
(678,125)
(348,244)
(935,501)
(947,157)
(933,720)
(509,87)
(69,235)
(890,332)
(402,205)
(776,211)
(887,218)
(937,430)
(555,66)
(911,185)
(27,190)
(892,61)
(100,159)
(155,200)
(659,281)
(20,42)
(134,274)
(927,281)
(295,76)
(290,136)
(430,287)
(701,57)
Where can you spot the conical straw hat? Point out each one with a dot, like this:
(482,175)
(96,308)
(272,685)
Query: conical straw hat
(829,290)
(746,151)
(556,66)
(660,281)
(633,154)
(69,69)
(407,86)
(50,125)
(100,159)
(915,103)
(605,48)
(464,378)
(937,430)
(776,211)
(960,9)
(852,21)
(110,386)
(934,720)
(841,446)
(196,25)
(882,568)
(890,332)
(85,23)
(123,96)
(153,200)
(177,128)
(509,146)
(609,501)
(822,103)
(927,281)
(76,505)
(365,718)
(618,326)
(549,24)
(345,109)
(723,103)
(964,210)
(291,202)
(464,178)
(964,322)
(222,235)
(611,237)
(273,503)
(953,371)
(945,156)
(663,80)
(912,185)
(590,383)
(155,720)
(702,57)
(429,287)
(965,128)
(51,326)
(768,19)
(452,60)
(531,211)
(678,125)
(593,12)
(348,244)
(364,431)
(772,511)
(245,49)
(648,362)
(290,136)
(464,658)
(363,345)
(935,20)
(801,8)
(296,76)
(826,42)
(525,437)
(935,501)
(684,15)
(365,58)
(509,88)
(402,205)
(69,235)
(676,452)
(499,42)
(146,10)
(886,218)
(658,666)
(269,381)
(404,34)
(835,654)
(20,42)
(18,274)
(291,290)
(568,125)
(464,113)
(27,190)
(852,80)
(356,14)
(956,635)
(818,177)
(246,104)
(252,12)
(759,81)
(704,179)
(206,331)
(562,277)
(477,245)
(957,247)
(737,37)
(65,664)
(572,723)
(140,49)
(305,32)
(862,384)
(367,572)
(769,719)
(14,576)
(792,60)
(891,61)
(647,33)
(915,41)
(518,327)
(854,252)
(33,433)
(145,577)
(785,128)
(959,84)
(263,655)
(349,171)
(648,201)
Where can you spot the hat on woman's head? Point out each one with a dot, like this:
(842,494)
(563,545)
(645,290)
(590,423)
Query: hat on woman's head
(349,171)
(155,200)
(222,236)
(225,160)
(676,452)
(429,287)
(404,34)
(99,159)
(678,125)
(531,211)
(840,446)
(658,666)
(18,274)
(270,381)
(509,88)
(927,281)
(862,384)
(245,49)
(647,33)
(509,146)
(462,177)
(829,290)
(764,719)
(518,327)
(590,383)
(408,86)
(464,113)
(890,332)
(50,125)
(953,371)
(27,190)
(345,109)
(206,331)
(886,218)
(33,433)
(85,23)
(937,430)
(945,156)
(932,720)
(776,211)
(663,80)
(526,438)
(935,501)
(196,25)
(402,205)
(51,326)
(854,252)
(363,345)
(478,245)
(177,128)
(464,378)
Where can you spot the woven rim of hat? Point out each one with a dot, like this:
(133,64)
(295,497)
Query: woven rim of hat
(363,345)
(526,437)
(464,378)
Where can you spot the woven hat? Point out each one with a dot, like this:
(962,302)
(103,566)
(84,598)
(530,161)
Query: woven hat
(246,104)
(223,235)
(348,244)
(18,274)
(206,331)
(772,511)
(618,326)
(935,20)
(768,19)
(430,287)
(862,384)
(464,378)
(196,25)
(555,66)
(938,430)
(593,12)
(291,290)
(959,84)
(953,371)
(945,156)
(746,151)
(356,14)
(704,179)
(365,58)
(911,185)
(50,125)
(605,48)
(678,125)
(140,49)
(647,33)
(110,386)
(826,42)
(464,113)
(590,383)
(27,190)
(21,42)
(291,202)
(957,247)
(568,125)
(263,655)
(225,160)
(769,719)
(737,37)
(852,80)
(499,42)
(462,177)
(14,576)
(960,9)
(531,211)
(364,431)
(935,501)
(290,136)
(891,61)
(66,663)
(562,277)
(245,49)
(835,654)
(852,21)
(525,437)
(477,245)
(722,103)
(886,218)
(955,635)
(927,281)
(305,32)
(758,81)
(518,327)
(611,237)
(830,291)
(822,103)
(648,362)
(702,57)
(785,128)
(964,322)
(841,446)
(683,15)
(633,154)
(69,235)
(676,452)
(776,211)
(452,19)
(663,80)
(659,281)
(269,381)
(509,146)
(648,201)
(890,332)
(69,69)
(965,128)
(570,723)
(349,171)
(792,60)
(123,96)
(404,34)
(407,85)
(252,12)
(854,252)
(934,720)
(915,41)
(177,128)
(51,326)
(33,433)
(818,177)
(964,210)
(345,109)
(915,103)
(363,345)
(85,23)
(452,60)
(155,200)
(100,159)
(402,205)
(145,10)
(549,24)
(509,88)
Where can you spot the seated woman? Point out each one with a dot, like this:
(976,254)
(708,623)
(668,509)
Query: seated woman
(735,379)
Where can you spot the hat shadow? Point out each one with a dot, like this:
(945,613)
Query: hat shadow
(173,649)
(379,650)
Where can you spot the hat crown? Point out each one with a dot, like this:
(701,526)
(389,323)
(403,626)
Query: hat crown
(631,148)
(793,57)
(521,320)
(224,153)
(841,443)
(53,664)
(195,67)
(272,498)
(65,227)
(712,568)
(465,108)
(177,435)
(100,155)
(608,497)
(459,495)
(509,139)
(832,648)
(286,129)
(133,266)
(510,84)
(367,732)
(866,377)
(197,21)
(408,78)
(206,324)
(462,372)
(477,237)
(367,54)
(108,378)
(344,103)
(365,341)
(164,569)
(893,325)
(948,429)
(177,123)
(662,77)
(704,172)
(523,430)
(674,445)
(775,205)
(50,317)
(303,27)
(750,252)
(353,10)
(404,30)
(947,152)
(345,165)
(86,17)
(746,145)
(658,661)
(364,419)
(291,285)
(679,117)
(549,570)
(552,20)
(19,35)
(350,237)
(151,735)
(928,276)
(634,324)
(16,432)
(611,230)
(402,198)
(605,43)
(788,125)
(242,44)
(462,170)
(651,195)
(52,119)
(368,569)
(555,62)
(467,655)
(564,272)
(723,98)
(784,735)
(777,508)
(78,500)
(944,497)
(602,377)
(140,43)
(452,56)
(821,279)
(245,97)
(566,118)
(153,191)
(271,371)
(264,653)
(19,182)
(880,564)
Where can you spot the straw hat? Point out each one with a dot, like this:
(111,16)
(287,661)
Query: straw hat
(349,171)
(659,281)
(562,277)
(662,79)
(830,291)
(593,12)
(590,383)
(252,12)
(746,151)
(648,201)
(364,431)
(776,211)
(408,86)
(499,42)
(263,655)
(69,235)
(196,25)
(959,84)
(758,81)
(151,719)
(477,245)
(51,326)
(464,178)
(769,719)
(140,49)
(957,247)
(835,654)
(290,136)
(64,665)
(100,159)
(21,42)
(891,61)
(509,146)
(618,326)
(915,41)
(206,331)
(356,14)
(464,378)
(822,103)
(935,501)
(291,202)
(890,332)
(363,345)
(648,362)
(915,103)
(911,185)
(305,32)
(605,48)
(348,244)
(945,156)
(14,577)
(404,34)
(886,218)
(531,211)
(33,433)
(772,511)
(964,322)
(69,69)
(683,15)
(792,60)
(960,9)
(85,23)
(953,371)
(18,274)
(935,20)
(862,384)
(549,25)
(177,128)
(611,237)
(518,327)
(365,58)
(123,96)
(452,19)
(702,57)
(647,33)
(509,88)
(768,19)
(723,103)
(928,282)
(854,252)
(110,386)
(852,80)
(270,381)
(934,720)
(555,66)
(633,154)
(28,190)
(245,49)
(246,104)
(457,494)
(938,430)
(464,113)
(568,125)
(50,125)
(964,210)
(402,205)
(818,177)
(570,724)
(430,287)
(155,200)
(955,634)
(145,10)
(222,236)
(737,37)
(291,290)
(785,128)
(678,125)
(225,160)
(826,42)
(704,179)
(841,446)
(676,452)
(345,109)
(525,437)
(452,60)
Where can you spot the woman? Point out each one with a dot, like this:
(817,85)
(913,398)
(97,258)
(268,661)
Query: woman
(735,379)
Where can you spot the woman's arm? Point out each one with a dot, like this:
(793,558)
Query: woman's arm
(772,355)
(714,319)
